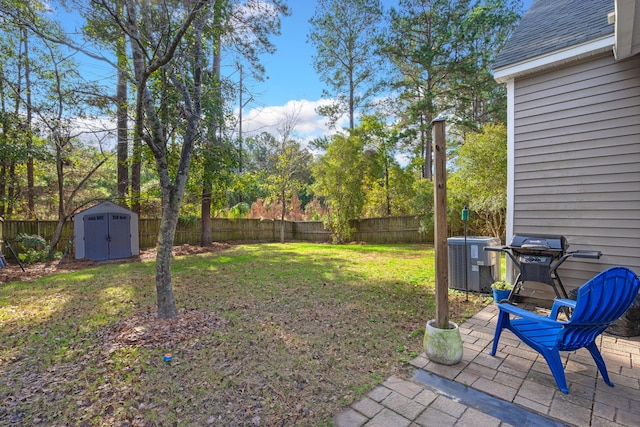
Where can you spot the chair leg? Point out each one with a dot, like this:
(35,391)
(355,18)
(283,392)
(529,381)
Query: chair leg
(502,318)
(555,364)
(597,357)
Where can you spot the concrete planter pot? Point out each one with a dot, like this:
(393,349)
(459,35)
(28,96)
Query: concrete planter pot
(443,346)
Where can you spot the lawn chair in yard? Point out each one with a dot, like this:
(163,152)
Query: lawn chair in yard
(600,302)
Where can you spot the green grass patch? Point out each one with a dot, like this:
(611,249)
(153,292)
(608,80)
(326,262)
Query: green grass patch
(305,329)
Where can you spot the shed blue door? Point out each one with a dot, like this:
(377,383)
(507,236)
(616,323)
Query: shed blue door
(107,236)
(96,233)
(120,236)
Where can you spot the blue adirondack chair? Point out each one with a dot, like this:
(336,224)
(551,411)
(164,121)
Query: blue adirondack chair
(601,301)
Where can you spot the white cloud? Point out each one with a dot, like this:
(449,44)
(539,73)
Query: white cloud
(93,131)
(96,131)
(309,125)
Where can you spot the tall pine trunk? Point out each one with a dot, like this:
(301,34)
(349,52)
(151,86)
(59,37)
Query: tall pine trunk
(122,123)
(136,168)
(30,177)
(207,182)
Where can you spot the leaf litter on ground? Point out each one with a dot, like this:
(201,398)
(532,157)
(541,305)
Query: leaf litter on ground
(267,334)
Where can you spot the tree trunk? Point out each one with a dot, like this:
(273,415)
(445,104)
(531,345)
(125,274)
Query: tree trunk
(172,193)
(60,176)
(11,191)
(136,165)
(149,126)
(428,160)
(3,188)
(282,214)
(386,185)
(30,177)
(3,162)
(57,235)
(122,123)
(11,179)
(207,185)
(352,123)
(164,288)
(205,214)
(61,205)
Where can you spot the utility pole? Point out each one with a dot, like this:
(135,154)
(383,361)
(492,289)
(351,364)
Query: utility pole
(440,202)
(242,104)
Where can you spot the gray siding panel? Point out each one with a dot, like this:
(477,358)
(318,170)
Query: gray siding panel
(581,136)
(586,148)
(591,74)
(625,98)
(577,161)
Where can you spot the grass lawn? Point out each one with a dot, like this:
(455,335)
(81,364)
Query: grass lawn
(268,334)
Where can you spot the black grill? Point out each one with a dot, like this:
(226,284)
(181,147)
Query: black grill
(540,244)
(538,256)
(534,255)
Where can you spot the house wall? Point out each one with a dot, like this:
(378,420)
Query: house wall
(577,161)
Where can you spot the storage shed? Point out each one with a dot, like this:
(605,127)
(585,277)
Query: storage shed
(106,231)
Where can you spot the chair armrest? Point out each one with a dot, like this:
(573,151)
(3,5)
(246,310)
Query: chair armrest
(517,311)
(558,304)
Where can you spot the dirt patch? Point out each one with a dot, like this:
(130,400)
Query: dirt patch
(13,272)
(146,330)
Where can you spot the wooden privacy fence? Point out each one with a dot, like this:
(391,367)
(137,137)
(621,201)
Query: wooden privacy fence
(403,229)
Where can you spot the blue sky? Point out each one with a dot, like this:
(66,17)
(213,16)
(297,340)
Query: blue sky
(291,85)
(290,70)
(291,75)
(292,82)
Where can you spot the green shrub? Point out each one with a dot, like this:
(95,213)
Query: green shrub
(36,247)
(502,286)
(31,241)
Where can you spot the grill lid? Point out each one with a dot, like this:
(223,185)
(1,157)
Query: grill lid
(540,242)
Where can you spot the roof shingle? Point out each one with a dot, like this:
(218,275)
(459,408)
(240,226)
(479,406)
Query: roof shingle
(551,25)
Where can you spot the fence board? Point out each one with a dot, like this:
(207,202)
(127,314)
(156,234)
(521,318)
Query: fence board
(403,229)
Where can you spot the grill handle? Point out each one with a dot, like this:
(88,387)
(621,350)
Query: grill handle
(575,254)
(495,248)
(586,254)
(505,249)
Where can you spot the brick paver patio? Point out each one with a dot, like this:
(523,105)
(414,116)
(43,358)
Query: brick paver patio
(513,385)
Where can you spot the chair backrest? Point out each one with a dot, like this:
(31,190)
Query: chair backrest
(601,301)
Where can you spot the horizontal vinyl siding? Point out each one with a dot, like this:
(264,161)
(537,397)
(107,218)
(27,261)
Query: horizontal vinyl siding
(577,161)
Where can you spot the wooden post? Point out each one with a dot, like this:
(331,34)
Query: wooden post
(440,236)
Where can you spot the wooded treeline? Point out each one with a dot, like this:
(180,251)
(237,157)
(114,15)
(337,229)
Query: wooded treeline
(53,117)
(148,78)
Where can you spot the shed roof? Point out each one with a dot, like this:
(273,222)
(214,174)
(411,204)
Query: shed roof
(105,206)
(551,25)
